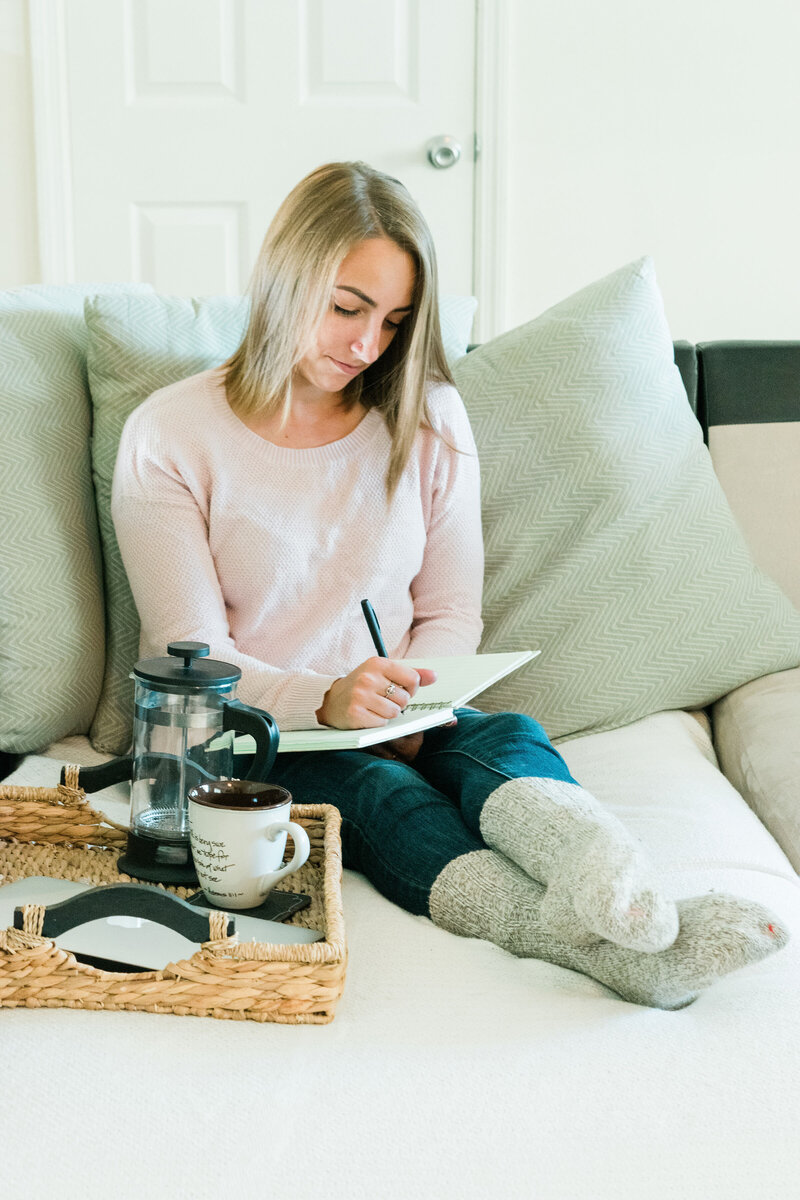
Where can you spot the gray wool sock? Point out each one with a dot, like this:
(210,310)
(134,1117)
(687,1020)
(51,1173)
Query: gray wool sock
(483,895)
(599,882)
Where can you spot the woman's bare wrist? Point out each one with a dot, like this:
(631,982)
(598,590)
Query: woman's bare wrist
(322,714)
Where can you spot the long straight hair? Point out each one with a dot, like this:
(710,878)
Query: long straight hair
(321,220)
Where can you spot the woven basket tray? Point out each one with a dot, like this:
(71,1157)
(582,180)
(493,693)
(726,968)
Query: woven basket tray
(54,831)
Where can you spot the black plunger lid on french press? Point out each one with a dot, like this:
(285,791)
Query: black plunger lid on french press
(189,670)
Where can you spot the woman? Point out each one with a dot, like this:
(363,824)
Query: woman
(331,459)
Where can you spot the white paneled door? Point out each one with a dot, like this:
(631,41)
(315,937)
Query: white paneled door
(182,124)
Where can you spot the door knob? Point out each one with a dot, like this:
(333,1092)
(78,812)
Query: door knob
(443,151)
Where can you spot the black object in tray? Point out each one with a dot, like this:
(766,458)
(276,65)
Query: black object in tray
(277,906)
(132,899)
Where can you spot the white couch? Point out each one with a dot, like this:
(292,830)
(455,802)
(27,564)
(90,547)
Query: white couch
(453,1069)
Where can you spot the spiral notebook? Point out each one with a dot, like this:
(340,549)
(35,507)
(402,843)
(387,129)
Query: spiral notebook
(460,677)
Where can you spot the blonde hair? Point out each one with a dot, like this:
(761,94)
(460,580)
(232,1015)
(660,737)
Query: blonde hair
(321,220)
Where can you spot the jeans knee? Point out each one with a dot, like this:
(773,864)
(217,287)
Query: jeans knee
(509,742)
(513,725)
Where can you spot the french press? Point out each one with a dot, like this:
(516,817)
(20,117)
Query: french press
(185,721)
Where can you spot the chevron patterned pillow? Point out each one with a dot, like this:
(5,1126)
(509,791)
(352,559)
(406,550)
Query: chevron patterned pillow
(609,542)
(138,344)
(52,654)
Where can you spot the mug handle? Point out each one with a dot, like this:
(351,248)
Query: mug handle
(302,848)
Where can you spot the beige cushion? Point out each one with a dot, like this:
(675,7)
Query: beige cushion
(757,735)
(757,465)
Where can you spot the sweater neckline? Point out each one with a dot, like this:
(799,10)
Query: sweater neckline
(352,443)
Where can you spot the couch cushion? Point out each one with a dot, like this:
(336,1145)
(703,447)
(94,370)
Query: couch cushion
(757,467)
(433,1032)
(661,778)
(51,617)
(609,542)
(451,1070)
(756,728)
(136,345)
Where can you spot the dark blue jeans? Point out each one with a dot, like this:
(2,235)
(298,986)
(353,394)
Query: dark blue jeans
(403,823)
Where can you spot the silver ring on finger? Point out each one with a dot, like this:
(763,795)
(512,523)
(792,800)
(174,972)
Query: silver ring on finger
(391,689)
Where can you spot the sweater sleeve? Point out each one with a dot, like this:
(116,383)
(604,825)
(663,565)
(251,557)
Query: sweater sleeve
(447,590)
(163,539)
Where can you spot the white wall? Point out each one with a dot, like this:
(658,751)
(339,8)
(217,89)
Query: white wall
(19,253)
(635,128)
(662,128)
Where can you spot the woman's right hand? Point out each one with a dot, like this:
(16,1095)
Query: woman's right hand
(359,700)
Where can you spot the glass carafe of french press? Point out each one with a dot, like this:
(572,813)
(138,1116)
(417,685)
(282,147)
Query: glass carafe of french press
(185,720)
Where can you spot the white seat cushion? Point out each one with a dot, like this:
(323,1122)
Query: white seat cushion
(452,1068)
(660,776)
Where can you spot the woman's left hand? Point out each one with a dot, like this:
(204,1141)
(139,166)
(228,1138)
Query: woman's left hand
(405,748)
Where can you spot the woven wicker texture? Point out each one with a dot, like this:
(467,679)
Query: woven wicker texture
(54,831)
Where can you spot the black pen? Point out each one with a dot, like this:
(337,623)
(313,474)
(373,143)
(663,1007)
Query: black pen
(374,627)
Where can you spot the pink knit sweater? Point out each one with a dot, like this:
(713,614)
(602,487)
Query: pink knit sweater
(266,552)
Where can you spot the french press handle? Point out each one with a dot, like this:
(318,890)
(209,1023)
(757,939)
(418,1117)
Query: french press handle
(261,726)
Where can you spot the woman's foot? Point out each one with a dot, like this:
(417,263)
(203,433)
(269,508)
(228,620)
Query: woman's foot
(599,883)
(602,889)
(719,933)
(484,895)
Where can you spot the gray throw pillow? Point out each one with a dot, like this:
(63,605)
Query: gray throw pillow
(610,545)
(51,624)
(138,344)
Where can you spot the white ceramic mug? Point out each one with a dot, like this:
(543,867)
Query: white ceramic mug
(238,829)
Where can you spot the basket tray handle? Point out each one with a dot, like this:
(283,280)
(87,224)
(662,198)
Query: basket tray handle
(125,900)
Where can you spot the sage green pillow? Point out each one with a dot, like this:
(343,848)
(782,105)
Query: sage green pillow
(51,600)
(610,545)
(136,345)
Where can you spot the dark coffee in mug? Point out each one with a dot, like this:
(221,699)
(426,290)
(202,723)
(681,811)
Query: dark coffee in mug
(240,793)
